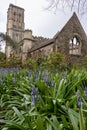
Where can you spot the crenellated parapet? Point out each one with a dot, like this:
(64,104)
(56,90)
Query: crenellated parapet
(40,39)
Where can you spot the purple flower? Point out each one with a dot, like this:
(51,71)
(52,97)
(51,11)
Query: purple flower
(33,100)
(35,76)
(85,91)
(30,73)
(46,79)
(85,88)
(34,93)
(15,79)
(79,102)
(52,83)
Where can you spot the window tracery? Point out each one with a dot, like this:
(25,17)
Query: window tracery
(75,46)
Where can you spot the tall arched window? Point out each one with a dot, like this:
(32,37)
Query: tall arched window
(75,46)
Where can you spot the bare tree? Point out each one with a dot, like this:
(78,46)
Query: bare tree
(79,6)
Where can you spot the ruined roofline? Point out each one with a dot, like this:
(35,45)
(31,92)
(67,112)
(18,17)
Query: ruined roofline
(11,5)
(43,44)
(74,15)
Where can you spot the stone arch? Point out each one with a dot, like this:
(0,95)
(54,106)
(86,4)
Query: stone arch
(75,45)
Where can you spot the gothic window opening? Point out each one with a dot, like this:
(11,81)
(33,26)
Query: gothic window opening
(75,46)
(14,13)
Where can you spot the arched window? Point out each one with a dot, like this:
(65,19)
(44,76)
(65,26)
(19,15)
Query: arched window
(75,46)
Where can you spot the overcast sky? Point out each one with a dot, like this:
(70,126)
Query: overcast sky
(41,21)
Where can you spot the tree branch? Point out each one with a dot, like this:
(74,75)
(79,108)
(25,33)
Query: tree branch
(77,5)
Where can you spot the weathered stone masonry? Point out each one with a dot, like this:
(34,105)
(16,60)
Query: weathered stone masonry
(71,40)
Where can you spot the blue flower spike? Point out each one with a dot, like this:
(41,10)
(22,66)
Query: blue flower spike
(79,101)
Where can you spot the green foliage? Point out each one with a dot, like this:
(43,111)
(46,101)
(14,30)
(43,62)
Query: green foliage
(2,56)
(42,100)
(76,61)
(8,40)
(13,63)
(53,61)
(30,63)
(10,63)
(2,59)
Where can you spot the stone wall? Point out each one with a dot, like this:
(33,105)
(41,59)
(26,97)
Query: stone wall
(71,28)
(42,51)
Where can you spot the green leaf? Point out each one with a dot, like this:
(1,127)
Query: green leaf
(12,124)
(56,123)
(21,117)
(74,117)
(39,124)
(65,123)
(81,120)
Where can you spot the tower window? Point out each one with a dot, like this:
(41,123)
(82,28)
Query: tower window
(74,46)
(14,13)
(19,15)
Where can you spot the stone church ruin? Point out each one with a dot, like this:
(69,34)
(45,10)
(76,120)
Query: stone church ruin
(71,40)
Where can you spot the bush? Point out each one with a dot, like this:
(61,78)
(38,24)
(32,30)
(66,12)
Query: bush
(55,61)
(30,63)
(2,56)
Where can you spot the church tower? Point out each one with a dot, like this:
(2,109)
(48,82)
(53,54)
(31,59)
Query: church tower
(15,22)
(15,25)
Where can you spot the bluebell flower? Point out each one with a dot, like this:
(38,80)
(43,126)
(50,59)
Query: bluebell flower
(84,83)
(85,91)
(45,78)
(15,79)
(30,73)
(33,100)
(36,76)
(34,93)
(41,70)
(52,83)
(79,101)
(47,81)
(16,68)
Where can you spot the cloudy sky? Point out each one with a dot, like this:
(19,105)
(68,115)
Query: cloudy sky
(41,21)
